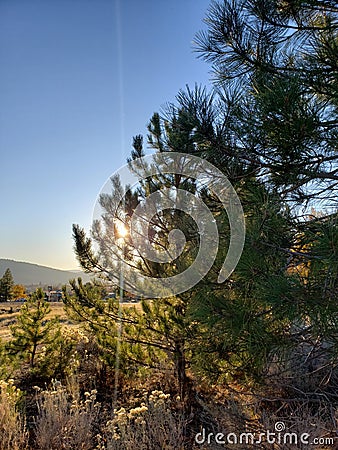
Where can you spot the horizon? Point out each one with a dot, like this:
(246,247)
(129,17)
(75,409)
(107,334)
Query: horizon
(41,265)
(77,84)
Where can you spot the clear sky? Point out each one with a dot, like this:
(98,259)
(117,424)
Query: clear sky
(78,79)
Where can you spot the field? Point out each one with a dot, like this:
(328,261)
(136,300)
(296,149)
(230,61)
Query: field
(10,310)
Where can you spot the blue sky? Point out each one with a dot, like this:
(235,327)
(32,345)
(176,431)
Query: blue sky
(78,79)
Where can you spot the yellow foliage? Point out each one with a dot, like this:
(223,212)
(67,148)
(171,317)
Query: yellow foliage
(18,291)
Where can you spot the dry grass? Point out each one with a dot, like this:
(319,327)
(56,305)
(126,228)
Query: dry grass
(65,416)
(10,310)
(68,417)
(286,422)
(67,421)
(64,420)
(13,435)
(151,425)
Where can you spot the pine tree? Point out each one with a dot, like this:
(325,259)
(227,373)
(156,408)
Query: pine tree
(32,329)
(6,285)
(275,74)
(214,328)
(153,335)
(275,65)
(159,331)
(270,125)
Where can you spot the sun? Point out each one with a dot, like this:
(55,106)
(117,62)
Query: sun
(121,229)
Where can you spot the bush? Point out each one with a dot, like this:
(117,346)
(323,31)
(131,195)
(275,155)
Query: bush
(13,434)
(65,421)
(150,426)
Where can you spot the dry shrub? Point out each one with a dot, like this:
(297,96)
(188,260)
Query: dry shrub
(250,419)
(13,435)
(64,421)
(150,426)
(318,423)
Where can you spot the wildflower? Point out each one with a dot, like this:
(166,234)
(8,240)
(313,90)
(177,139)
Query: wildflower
(140,421)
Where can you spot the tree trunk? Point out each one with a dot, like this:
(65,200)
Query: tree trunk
(33,355)
(181,374)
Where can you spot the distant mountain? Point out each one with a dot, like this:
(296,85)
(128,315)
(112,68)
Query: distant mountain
(33,274)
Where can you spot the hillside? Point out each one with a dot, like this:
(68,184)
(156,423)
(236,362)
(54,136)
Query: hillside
(33,274)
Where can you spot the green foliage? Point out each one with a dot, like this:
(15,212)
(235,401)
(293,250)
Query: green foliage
(34,336)
(6,285)
(154,334)
(86,304)
(246,320)
(271,126)
(276,73)
(320,305)
(276,68)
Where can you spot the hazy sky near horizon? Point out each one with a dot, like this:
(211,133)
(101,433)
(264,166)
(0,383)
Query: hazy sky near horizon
(79,79)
